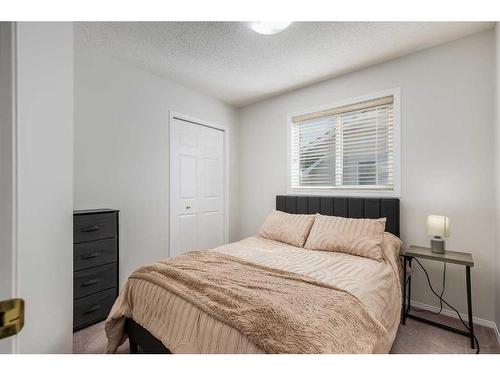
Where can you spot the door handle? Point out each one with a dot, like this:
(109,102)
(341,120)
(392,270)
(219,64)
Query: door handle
(11,317)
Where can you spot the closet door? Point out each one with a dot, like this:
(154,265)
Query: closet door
(196,187)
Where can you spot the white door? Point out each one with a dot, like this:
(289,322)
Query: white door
(196,187)
(36,185)
(7,172)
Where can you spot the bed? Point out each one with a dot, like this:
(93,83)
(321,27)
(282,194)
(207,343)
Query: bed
(158,320)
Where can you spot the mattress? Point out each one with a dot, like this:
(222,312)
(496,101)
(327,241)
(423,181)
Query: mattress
(184,328)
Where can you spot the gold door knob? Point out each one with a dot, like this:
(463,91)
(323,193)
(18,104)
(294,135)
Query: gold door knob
(11,317)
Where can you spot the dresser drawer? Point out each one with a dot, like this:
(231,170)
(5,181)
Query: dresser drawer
(92,309)
(95,253)
(94,280)
(94,226)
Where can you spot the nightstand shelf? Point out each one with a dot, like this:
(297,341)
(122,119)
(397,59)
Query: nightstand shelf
(464,259)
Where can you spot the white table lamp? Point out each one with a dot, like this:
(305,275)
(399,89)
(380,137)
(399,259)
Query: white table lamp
(438,227)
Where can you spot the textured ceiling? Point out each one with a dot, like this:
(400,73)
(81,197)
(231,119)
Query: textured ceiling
(229,61)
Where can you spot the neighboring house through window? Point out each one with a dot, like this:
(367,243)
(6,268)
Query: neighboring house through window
(353,147)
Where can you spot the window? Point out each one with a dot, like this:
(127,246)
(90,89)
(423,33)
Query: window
(349,147)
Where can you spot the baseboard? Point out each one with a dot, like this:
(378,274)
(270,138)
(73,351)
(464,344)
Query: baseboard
(465,317)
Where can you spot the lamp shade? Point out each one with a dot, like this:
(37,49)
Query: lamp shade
(438,225)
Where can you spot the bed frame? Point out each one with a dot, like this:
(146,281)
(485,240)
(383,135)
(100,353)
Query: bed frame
(353,207)
(356,208)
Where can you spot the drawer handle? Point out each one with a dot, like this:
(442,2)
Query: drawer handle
(90,229)
(92,309)
(95,254)
(91,282)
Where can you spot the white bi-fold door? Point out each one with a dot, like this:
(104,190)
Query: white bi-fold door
(196,186)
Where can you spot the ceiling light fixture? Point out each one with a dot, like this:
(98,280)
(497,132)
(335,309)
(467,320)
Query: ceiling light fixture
(269,28)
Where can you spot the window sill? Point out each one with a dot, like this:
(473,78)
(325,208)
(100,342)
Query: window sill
(346,192)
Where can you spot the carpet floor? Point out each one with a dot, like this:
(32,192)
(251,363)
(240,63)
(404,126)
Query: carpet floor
(413,338)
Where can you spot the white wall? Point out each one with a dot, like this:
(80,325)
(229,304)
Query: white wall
(447,153)
(122,150)
(45,185)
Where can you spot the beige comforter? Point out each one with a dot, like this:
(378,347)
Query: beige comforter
(185,326)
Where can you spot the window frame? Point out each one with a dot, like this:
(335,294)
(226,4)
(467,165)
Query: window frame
(352,191)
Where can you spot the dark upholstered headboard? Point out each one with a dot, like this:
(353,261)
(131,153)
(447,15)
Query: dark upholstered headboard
(359,208)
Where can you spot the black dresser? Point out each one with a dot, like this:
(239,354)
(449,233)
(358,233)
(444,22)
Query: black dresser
(95,265)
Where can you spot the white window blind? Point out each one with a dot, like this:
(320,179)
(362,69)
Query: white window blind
(350,147)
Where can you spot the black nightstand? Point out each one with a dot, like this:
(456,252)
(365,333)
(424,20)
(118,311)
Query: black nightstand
(464,259)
